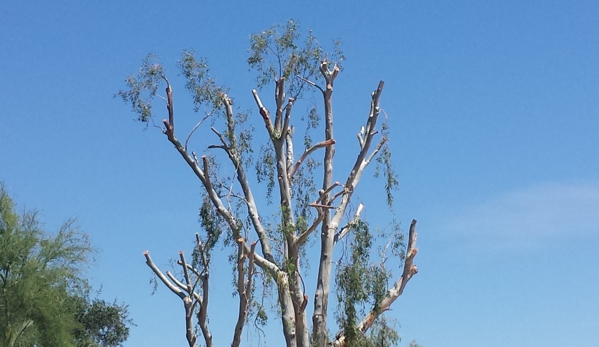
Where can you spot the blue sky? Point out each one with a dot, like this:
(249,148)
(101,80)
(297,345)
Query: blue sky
(494,113)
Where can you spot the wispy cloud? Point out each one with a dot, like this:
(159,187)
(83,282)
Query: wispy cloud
(529,217)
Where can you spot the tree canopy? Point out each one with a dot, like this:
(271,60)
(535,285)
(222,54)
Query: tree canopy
(270,238)
(44,296)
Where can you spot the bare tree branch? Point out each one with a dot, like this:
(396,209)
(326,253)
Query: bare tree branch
(185,272)
(361,137)
(176,281)
(195,127)
(200,278)
(264,113)
(288,108)
(376,150)
(309,82)
(208,183)
(225,145)
(361,162)
(309,151)
(169,104)
(323,194)
(338,194)
(188,299)
(287,286)
(235,159)
(301,239)
(279,99)
(162,277)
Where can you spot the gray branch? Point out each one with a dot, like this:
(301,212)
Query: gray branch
(162,277)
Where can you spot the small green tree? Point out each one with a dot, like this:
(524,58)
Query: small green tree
(270,239)
(101,323)
(43,293)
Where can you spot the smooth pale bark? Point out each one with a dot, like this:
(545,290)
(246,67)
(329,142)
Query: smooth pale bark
(327,232)
(186,292)
(331,206)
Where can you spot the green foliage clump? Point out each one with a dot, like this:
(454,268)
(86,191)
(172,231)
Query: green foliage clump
(101,323)
(143,88)
(43,294)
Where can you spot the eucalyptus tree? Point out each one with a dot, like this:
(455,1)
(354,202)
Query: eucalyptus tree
(270,237)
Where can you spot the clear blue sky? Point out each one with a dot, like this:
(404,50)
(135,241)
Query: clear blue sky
(494,109)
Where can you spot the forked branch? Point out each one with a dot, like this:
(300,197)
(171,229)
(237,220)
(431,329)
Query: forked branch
(190,298)
(176,290)
(244,287)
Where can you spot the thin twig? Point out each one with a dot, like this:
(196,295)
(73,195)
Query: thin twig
(195,127)
(309,82)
